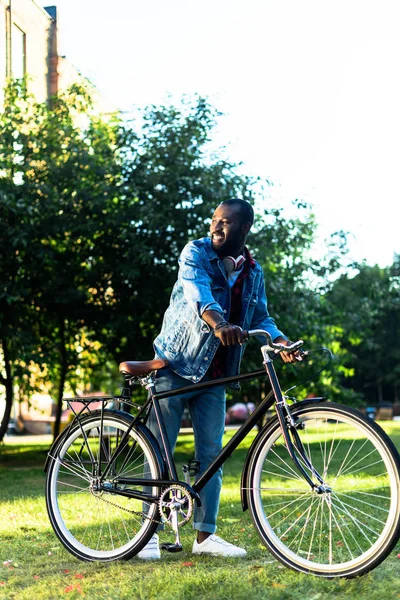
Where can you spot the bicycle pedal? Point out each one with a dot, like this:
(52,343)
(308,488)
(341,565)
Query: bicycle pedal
(192,467)
(171,547)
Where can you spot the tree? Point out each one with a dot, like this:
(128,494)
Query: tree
(297,283)
(17,337)
(368,308)
(56,182)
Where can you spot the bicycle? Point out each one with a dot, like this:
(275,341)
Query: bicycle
(321,480)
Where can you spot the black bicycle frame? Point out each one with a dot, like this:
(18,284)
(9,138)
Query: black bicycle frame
(285,420)
(153,400)
(274,396)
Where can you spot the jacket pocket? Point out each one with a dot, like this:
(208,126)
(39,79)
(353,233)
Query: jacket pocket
(219,294)
(248,315)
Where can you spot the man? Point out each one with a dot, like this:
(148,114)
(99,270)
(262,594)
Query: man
(219,293)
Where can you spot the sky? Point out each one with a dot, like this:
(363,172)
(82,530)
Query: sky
(310,92)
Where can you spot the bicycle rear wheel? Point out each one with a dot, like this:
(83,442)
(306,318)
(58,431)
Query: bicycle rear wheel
(102,525)
(342,533)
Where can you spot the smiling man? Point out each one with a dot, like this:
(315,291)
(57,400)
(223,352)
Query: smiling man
(219,293)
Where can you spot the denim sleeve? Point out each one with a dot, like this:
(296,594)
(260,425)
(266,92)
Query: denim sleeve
(196,281)
(261,318)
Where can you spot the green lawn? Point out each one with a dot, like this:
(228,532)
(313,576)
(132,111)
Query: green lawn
(34,565)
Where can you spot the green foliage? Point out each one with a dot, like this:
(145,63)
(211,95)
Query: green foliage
(55,198)
(297,285)
(95,212)
(369,301)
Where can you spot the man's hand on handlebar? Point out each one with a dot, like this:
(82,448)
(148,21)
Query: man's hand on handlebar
(229,335)
(289,357)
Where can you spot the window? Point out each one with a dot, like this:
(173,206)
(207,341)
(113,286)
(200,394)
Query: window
(18,49)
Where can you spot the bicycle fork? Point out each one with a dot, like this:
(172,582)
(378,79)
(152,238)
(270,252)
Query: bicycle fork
(289,430)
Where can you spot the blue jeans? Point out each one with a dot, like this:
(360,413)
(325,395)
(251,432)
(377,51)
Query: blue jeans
(207,411)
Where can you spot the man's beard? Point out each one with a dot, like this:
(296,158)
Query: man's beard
(229,248)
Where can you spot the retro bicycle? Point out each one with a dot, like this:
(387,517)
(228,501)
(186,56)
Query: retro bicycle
(321,481)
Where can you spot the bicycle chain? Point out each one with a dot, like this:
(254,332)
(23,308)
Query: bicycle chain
(133,512)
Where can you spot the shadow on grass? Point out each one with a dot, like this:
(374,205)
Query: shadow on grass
(16,456)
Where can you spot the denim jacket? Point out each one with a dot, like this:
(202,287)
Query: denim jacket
(185,340)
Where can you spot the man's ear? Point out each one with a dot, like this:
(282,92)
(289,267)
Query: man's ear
(246,228)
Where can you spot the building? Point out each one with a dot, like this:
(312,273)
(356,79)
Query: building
(28,37)
(29,34)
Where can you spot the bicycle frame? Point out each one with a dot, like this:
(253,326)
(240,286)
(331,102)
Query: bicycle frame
(275,396)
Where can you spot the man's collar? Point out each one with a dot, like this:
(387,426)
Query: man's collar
(250,260)
(209,249)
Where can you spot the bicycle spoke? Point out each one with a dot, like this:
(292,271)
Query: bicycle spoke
(279,490)
(386,510)
(363,493)
(353,464)
(317,511)
(100,524)
(76,471)
(350,532)
(345,459)
(289,469)
(291,526)
(284,506)
(65,483)
(365,514)
(333,447)
(302,529)
(285,476)
(342,525)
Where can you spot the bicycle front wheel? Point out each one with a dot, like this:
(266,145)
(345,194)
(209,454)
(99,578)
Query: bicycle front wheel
(102,525)
(345,531)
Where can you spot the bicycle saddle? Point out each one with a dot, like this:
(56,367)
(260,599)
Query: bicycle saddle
(142,367)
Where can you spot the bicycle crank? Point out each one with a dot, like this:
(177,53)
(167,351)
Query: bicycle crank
(176,508)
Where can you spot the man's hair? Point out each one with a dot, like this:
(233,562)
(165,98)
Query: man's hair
(246,209)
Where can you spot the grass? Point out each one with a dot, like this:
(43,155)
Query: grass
(40,568)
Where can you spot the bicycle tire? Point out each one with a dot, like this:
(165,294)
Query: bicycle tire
(101,526)
(347,532)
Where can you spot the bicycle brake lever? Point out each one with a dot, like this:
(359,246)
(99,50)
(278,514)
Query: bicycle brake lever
(300,355)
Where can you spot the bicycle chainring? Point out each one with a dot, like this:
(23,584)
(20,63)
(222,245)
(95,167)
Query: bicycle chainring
(176,497)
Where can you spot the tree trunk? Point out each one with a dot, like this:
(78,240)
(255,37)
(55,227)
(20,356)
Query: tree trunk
(63,376)
(379,389)
(396,394)
(8,384)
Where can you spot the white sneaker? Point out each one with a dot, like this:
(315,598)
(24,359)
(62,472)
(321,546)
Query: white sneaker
(216,546)
(151,551)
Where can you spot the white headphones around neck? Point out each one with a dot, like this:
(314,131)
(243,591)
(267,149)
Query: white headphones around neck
(233,264)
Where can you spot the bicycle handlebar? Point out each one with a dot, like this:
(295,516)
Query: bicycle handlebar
(275,347)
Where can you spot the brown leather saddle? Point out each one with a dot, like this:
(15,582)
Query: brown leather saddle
(141,368)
